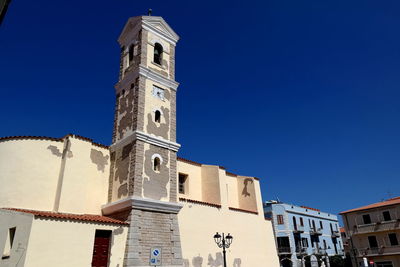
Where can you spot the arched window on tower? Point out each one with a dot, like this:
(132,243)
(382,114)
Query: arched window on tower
(156,164)
(158,50)
(131,48)
(157,116)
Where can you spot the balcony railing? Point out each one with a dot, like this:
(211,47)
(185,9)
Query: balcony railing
(284,250)
(377,227)
(319,251)
(315,231)
(301,250)
(378,251)
(298,229)
(335,234)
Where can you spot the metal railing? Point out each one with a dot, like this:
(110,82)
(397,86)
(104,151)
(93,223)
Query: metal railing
(335,233)
(383,250)
(301,250)
(298,229)
(377,227)
(315,231)
(283,250)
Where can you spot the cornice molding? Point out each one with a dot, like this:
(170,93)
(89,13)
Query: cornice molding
(154,76)
(150,139)
(135,202)
(150,23)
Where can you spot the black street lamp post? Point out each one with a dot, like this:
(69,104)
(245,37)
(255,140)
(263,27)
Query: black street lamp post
(223,242)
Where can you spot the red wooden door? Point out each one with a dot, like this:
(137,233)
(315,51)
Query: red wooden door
(101,248)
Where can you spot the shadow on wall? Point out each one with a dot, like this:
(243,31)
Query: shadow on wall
(55,151)
(245,191)
(218,261)
(197,261)
(237,262)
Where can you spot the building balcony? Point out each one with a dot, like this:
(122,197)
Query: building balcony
(315,231)
(301,251)
(377,227)
(392,250)
(298,229)
(335,234)
(319,251)
(284,250)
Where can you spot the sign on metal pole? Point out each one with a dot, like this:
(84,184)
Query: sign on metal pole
(155,256)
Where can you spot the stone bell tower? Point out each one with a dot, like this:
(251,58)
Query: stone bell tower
(143,176)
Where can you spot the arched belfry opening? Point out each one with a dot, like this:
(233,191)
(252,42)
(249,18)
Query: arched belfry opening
(157,116)
(158,51)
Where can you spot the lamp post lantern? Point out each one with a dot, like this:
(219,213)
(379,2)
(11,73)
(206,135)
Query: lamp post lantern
(223,242)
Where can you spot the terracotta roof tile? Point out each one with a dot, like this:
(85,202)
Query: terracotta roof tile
(388,202)
(305,207)
(27,137)
(69,216)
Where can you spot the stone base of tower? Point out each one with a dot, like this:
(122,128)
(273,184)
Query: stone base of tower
(152,224)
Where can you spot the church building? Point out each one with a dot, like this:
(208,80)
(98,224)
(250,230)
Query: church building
(72,202)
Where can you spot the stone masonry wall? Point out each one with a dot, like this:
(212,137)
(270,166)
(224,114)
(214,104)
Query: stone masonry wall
(150,229)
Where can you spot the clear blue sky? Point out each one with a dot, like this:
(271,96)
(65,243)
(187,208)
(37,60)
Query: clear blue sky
(302,94)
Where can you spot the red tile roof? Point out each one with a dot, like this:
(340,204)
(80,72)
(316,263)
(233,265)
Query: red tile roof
(69,216)
(388,202)
(305,207)
(8,138)
(342,230)
(199,202)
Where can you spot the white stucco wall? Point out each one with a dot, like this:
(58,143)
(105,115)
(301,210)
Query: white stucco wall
(70,243)
(23,223)
(253,238)
(28,173)
(33,175)
(253,241)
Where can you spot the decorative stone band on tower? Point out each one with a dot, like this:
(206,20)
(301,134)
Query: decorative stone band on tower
(143,175)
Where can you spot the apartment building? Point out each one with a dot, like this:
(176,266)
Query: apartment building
(303,231)
(373,232)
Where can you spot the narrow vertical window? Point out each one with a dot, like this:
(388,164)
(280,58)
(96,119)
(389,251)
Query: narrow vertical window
(294,223)
(280,219)
(301,221)
(386,216)
(9,243)
(157,116)
(321,225)
(393,239)
(373,243)
(158,50)
(130,53)
(156,164)
(366,219)
(183,183)
(325,246)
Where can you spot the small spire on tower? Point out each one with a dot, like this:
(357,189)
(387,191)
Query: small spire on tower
(149,12)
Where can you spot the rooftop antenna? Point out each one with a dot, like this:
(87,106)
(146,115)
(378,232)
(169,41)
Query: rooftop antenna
(149,12)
